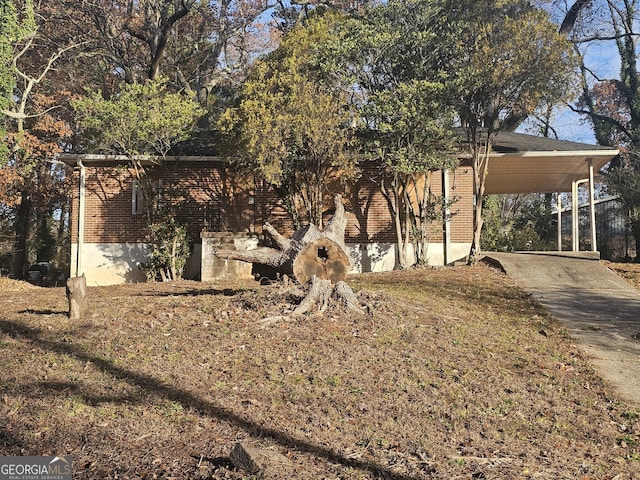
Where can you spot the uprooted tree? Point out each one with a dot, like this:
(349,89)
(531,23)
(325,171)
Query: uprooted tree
(317,258)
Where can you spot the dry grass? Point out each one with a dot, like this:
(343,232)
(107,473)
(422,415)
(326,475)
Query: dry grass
(628,271)
(455,374)
(10,285)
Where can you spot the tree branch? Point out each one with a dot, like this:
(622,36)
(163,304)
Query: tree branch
(602,118)
(598,37)
(282,242)
(570,18)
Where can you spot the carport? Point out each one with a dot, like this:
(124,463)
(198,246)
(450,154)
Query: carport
(526,164)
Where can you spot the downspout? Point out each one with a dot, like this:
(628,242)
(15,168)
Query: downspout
(446,221)
(81,208)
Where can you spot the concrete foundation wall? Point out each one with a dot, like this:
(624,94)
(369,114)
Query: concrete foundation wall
(381,257)
(117,263)
(109,263)
(212,267)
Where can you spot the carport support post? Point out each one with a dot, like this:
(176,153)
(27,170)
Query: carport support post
(592,208)
(575,240)
(575,211)
(559,210)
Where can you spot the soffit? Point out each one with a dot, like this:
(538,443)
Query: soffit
(542,172)
(521,163)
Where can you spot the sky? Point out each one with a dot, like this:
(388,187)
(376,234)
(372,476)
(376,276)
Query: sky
(603,59)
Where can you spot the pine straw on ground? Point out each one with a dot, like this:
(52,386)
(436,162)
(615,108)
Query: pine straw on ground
(11,285)
(629,271)
(456,373)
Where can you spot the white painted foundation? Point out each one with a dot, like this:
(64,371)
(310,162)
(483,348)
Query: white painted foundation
(117,263)
(109,263)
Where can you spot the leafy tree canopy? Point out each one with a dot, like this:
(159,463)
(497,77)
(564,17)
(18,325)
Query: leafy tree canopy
(15,25)
(140,119)
(508,60)
(391,62)
(292,123)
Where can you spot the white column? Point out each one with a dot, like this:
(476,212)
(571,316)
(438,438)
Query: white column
(575,233)
(592,208)
(559,213)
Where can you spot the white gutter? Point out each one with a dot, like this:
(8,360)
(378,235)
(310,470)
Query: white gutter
(87,158)
(81,208)
(446,227)
(558,153)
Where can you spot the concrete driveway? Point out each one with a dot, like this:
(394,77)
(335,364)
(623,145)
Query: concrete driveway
(600,309)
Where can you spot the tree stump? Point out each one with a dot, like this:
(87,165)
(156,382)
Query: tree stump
(318,260)
(76,295)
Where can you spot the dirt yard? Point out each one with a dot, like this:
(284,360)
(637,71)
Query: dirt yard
(453,374)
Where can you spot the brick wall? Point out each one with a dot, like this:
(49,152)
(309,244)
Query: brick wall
(204,195)
(209,198)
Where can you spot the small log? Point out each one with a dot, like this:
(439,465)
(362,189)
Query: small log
(77,297)
(254,460)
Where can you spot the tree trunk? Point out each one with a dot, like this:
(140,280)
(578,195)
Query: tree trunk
(309,252)
(20,247)
(318,259)
(76,294)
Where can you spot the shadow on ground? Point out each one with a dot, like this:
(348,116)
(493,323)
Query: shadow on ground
(150,385)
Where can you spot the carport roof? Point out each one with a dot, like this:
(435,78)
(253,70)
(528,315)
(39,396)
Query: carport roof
(522,163)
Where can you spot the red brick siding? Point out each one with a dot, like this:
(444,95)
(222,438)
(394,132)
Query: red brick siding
(461,187)
(209,198)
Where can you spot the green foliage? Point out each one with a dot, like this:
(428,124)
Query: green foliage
(390,60)
(292,125)
(509,59)
(517,224)
(412,127)
(140,119)
(15,26)
(145,119)
(168,251)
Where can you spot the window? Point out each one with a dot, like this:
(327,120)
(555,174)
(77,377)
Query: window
(137,199)
(138,203)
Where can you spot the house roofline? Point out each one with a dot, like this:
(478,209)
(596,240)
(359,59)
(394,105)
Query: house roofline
(549,153)
(89,158)
(558,153)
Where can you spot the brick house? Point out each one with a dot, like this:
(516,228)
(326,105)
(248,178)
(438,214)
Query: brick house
(108,228)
